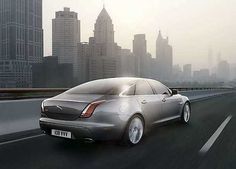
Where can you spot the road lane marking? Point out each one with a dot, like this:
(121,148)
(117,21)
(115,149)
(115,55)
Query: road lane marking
(21,139)
(213,138)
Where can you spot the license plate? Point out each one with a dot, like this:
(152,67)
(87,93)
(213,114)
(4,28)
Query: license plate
(60,133)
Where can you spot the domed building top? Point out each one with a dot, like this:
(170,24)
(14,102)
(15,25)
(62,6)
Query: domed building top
(104,29)
(160,35)
(104,15)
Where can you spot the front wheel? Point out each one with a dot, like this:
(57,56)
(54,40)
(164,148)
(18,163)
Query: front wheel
(186,113)
(134,131)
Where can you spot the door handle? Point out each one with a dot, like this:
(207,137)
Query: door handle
(164,100)
(144,102)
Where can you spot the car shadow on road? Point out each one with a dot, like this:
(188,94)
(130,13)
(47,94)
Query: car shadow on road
(83,146)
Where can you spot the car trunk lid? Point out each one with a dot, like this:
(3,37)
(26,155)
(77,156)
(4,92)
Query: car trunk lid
(68,106)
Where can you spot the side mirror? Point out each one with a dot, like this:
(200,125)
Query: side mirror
(174,92)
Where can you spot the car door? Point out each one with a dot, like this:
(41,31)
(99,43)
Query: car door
(170,104)
(149,102)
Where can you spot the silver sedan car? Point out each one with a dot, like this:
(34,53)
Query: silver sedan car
(112,109)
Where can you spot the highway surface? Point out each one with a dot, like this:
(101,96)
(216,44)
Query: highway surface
(209,141)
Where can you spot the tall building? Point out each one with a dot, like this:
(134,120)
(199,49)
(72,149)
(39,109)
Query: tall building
(177,73)
(127,63)
(187,72)
(164,56)
(104,35)
(104,60)
(44,74)
(104,28)
(233,71)
(223,70)
(210,59)
(202,75)
(83,59)
(21,41)
(65,38)
(140,52)
(154,68)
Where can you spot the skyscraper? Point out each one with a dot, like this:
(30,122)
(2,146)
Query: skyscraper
(187,72)
(140,52)
(210,59)
(51,74)
(104,35)
(104,61)
(164,56)
(65,38)
(233,71)
(127,63)
(21,41)
(104,28)
(83,57)
(202,75)
(223,70)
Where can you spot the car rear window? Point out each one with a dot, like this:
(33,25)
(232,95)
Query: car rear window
(102,87)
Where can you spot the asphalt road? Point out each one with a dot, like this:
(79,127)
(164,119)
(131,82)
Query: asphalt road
(171,146)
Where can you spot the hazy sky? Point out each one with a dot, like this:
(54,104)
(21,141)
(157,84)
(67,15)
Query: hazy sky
(193,26)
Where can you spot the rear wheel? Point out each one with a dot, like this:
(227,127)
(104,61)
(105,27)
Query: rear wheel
(186,113)
(134,131)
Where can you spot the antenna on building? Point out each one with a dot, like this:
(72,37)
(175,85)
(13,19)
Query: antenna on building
(103,3)
(159,34)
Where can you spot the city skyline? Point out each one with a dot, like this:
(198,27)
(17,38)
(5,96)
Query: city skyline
(102,56)
(187,49)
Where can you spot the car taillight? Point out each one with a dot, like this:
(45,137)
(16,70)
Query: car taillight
(88,111)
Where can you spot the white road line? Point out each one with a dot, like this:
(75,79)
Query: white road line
(21,139)
(213,138)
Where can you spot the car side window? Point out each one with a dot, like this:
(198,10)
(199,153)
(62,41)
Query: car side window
(143,88)
(158,87)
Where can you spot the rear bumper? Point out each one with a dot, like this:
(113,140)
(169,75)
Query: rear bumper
(82,130)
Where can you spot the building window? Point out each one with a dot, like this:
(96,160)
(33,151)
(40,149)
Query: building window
(31,50)
(31,36)
(31,20)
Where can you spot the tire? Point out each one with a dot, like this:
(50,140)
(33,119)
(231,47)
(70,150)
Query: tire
(186,113)
(134,131)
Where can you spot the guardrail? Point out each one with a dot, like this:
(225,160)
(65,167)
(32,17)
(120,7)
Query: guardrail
(29,93)
(200,88)
(31,90)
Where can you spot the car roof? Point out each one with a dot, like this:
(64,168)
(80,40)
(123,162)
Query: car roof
(124,79)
